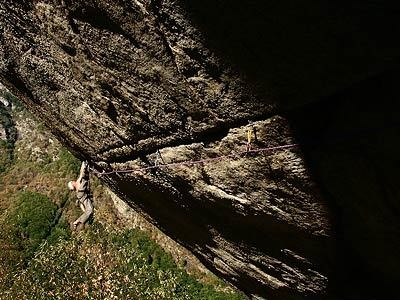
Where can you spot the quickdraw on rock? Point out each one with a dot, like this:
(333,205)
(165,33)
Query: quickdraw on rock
(158,159)
(248,145)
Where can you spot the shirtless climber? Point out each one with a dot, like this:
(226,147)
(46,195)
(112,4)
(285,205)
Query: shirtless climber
(81,186)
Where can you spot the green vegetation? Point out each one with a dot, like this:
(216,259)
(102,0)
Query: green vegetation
(6,149)
(101,263)
(12,99)
(6,121)
(98,263)
(29,221)
(41,258)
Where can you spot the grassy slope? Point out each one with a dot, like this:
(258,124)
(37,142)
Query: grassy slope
(42,259)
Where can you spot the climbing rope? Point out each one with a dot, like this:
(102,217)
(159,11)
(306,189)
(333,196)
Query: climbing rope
(250,134)
(194,162)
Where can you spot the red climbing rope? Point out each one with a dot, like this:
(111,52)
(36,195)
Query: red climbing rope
(194,162)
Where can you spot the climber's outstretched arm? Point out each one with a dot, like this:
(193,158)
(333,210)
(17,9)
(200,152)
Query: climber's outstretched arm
(83,172)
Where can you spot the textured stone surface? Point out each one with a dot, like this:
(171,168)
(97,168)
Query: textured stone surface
(118,80)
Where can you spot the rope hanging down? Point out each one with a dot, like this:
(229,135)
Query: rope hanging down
(195,162)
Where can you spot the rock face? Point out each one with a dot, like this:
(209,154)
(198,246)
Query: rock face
(127,84)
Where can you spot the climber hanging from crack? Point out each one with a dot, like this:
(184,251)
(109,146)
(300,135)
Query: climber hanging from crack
(81,186)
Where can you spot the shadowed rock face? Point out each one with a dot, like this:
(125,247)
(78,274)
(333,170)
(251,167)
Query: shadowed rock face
(118,80)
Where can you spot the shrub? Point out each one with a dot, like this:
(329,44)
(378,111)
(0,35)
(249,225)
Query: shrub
(100,263)
(26,224)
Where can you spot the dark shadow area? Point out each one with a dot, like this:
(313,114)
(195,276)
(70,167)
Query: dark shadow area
(351,143)
(269,236)
(96,17)
(300,50)
(307,52)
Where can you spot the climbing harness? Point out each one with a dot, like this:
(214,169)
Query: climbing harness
(194,162)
